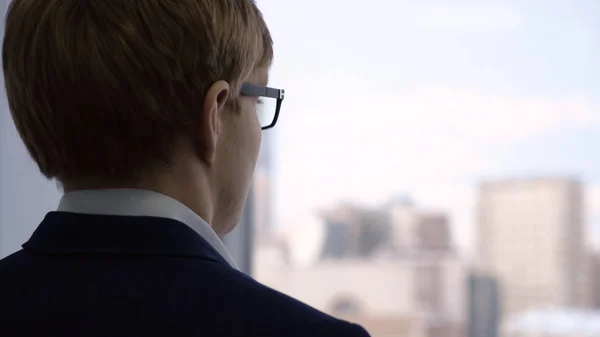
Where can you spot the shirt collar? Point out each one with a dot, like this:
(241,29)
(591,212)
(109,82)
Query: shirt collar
(135,202)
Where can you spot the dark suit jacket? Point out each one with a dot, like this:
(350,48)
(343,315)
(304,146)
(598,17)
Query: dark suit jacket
(96,275)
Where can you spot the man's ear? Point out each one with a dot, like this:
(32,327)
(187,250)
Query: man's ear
(209,124)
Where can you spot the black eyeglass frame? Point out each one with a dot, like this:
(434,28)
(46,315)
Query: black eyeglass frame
(250,89)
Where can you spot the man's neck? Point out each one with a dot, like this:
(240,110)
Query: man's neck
(189,187)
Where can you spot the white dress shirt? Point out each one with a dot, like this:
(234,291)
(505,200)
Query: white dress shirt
(135,202)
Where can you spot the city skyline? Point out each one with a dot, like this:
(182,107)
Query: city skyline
(532,265)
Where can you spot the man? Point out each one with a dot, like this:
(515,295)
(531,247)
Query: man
(145,111)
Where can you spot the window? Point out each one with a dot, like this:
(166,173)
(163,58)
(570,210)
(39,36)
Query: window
(434,100)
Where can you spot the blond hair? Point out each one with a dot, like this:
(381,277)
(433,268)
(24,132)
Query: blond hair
(104,89)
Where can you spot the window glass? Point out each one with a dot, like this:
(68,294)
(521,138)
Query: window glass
(434,162)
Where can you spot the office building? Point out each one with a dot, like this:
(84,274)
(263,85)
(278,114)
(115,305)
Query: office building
(355,232)
(262,188)
(531,241)
(415,229)
(484,306)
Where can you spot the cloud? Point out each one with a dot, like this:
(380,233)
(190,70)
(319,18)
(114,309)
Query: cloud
(344,137)
(481,18)
(391,16)
(484,117)
(582,112)
(343,102)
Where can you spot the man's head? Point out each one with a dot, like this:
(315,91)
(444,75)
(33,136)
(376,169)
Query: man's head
(140,93)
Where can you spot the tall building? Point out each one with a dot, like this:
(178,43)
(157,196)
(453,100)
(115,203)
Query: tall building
(484,306)
(414,229)
(531,240)
(590,288)
(399,228)
(433,232)
(355,232)
(262,188)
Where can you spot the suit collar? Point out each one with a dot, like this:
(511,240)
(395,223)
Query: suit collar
(141,203)
(72,233)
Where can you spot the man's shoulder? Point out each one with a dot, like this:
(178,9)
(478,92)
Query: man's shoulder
(263,304)
(13,262)
(228,301)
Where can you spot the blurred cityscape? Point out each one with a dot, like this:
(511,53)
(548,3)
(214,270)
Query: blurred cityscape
(395,269)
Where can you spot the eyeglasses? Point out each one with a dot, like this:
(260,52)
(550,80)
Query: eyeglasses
(269,103)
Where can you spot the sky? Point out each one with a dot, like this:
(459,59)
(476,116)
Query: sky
(427,98)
